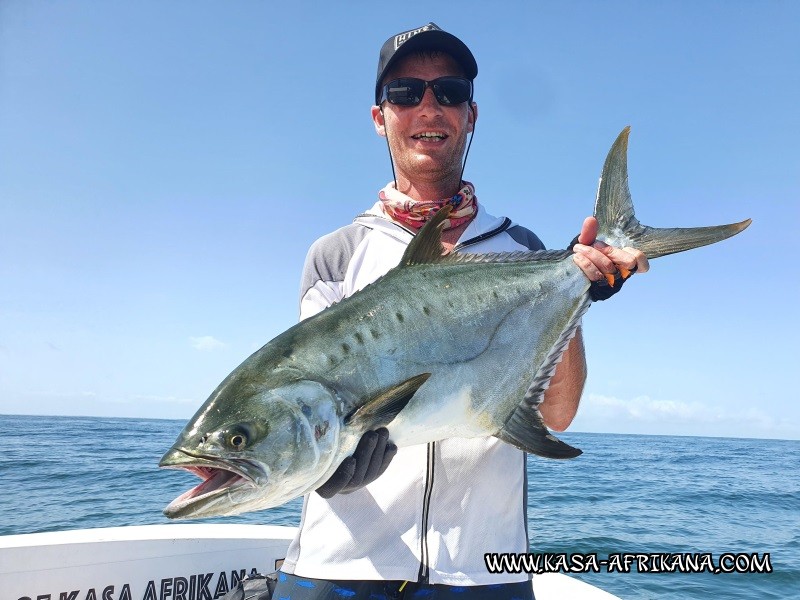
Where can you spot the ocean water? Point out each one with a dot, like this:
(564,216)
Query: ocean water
(625,494)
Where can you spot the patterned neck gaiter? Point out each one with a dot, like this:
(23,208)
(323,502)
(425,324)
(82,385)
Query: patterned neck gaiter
(415,213)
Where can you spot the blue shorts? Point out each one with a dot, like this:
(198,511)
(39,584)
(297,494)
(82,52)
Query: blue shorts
(292,587)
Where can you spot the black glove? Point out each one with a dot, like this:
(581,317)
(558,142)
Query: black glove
(603,289)
(370,459)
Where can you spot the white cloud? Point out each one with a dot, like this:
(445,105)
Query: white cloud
(646,408)
(207,343)
(645,415)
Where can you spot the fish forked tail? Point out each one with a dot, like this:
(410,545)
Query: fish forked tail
(619,227)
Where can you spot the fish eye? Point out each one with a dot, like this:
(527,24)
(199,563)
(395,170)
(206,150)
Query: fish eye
(239,437)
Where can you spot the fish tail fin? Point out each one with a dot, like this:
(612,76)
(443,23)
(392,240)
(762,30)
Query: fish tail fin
(617,222)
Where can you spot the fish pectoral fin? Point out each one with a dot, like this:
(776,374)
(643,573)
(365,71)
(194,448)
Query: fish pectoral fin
(381,410)
(526,430)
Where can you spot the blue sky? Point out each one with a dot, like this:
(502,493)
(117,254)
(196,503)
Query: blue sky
(165,165)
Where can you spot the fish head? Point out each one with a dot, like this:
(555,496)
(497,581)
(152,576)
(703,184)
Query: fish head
(256,451)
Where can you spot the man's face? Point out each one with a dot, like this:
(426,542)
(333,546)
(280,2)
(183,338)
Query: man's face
(427,141)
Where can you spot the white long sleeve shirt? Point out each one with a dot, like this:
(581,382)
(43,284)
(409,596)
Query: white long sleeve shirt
(440,506)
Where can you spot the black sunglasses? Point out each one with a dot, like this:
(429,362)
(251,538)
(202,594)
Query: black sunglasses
(408,91)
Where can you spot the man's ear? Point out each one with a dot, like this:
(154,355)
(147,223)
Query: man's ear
(378,121)
(472,116)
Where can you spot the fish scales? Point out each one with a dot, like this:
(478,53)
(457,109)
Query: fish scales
(457,321)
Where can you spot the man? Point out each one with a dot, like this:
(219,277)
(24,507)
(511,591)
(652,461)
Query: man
(422,527)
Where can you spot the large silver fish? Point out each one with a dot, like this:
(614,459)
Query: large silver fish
(441,346)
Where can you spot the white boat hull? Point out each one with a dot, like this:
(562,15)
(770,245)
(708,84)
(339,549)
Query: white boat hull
(169,562)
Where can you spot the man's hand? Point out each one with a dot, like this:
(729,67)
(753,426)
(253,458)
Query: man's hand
(370,459)
(605,266)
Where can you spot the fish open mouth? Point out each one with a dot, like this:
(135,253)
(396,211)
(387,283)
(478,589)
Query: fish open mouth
(214,480)
(218,480)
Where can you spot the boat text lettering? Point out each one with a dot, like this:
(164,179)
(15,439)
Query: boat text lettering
(203,586)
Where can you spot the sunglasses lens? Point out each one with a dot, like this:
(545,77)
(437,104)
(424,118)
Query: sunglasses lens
(408,91)
(452,90)
(404,92)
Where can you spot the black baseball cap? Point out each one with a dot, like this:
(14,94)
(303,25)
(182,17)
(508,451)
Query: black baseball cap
(427,37)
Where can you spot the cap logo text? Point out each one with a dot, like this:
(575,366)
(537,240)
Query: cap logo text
(401,38)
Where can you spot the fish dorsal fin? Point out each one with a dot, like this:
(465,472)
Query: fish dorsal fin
(426,247)
(381,410)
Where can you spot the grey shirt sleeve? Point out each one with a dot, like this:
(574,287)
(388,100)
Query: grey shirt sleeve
(325,268)
(525,237)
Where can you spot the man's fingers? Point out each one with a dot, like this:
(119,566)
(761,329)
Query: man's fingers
(600,259)
(619,259)
(372,455)
(626,259)
(587,266)
(588,232)
(593,262)
(388,455)
(340,478)
(377,459)
(363,456)
(642,264)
